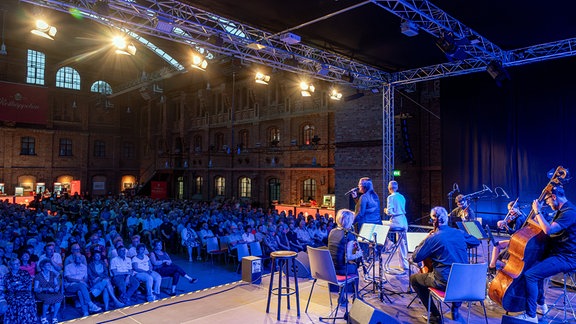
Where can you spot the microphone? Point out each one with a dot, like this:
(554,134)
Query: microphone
(454,189)
(486,188)
(351,191)
(457,188)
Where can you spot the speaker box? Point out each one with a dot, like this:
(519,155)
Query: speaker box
(511,320)
(362,313)
(302,265)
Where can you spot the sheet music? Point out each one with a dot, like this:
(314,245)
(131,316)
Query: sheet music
(368,230)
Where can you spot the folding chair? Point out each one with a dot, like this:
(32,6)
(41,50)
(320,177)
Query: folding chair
(213,248)
(322,268)
(466,283)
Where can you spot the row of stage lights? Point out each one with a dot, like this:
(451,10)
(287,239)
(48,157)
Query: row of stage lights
(123,47)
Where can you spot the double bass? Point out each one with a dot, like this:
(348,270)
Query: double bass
(526,246)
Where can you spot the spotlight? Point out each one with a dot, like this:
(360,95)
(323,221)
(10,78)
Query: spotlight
(323,69)
(164,24)
(44,30)
(123,47)
(409,28)
(451,48)
(306,89)
(199,62)
(261,78)
(335,95)
(497,72)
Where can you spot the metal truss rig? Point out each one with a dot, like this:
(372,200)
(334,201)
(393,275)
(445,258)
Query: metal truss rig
(199,28)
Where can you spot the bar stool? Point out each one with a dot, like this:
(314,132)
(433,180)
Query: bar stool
(282,259)
(400,235)
(567,301)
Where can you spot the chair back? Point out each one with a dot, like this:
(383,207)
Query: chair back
(242,250)
(212,244)
(466,282)
(321,265)
(223,243)
(255,249)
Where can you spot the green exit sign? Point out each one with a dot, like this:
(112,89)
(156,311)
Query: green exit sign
(396,173)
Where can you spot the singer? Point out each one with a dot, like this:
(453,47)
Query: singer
(367,208)
(462,212)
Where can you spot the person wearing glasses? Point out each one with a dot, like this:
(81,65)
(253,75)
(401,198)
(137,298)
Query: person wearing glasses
(442,247)
(463,211)
(560,255)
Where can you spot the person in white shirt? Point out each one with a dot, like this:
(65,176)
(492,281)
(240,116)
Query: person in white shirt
(144,273)
(396,209)
(123,275)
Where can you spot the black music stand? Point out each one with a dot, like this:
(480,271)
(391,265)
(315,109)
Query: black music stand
(475,229)
(379,233)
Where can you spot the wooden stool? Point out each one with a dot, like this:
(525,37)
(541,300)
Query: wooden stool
(282,259)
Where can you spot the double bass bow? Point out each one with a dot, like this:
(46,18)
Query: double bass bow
(526,247)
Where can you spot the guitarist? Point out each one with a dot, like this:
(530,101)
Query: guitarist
(560,256)
(444,246)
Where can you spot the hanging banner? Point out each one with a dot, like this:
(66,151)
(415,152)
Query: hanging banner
(75,187)
(23,103)
(159,190)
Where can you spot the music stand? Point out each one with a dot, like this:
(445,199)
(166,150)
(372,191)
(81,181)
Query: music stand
(475,229)
(379,233)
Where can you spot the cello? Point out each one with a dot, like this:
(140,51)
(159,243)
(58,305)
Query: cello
(526,246)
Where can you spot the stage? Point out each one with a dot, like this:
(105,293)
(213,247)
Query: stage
(242,302)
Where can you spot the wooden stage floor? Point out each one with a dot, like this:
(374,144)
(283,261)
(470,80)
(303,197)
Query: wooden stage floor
(242,302)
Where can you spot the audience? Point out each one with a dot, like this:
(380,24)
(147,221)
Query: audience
(47,289)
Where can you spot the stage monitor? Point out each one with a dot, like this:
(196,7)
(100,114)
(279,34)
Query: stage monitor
(367,232)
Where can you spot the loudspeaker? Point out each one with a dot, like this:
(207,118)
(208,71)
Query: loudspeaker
(511,320)
(362,313)
(302,265)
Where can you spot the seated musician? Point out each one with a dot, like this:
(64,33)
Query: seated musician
(443,247)
(463,211)
(343,246)
(512,222)
(560,255)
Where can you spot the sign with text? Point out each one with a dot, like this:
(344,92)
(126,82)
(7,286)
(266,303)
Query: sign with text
(23,103)
(159,190)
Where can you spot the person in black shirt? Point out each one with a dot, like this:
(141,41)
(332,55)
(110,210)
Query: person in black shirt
(463,211)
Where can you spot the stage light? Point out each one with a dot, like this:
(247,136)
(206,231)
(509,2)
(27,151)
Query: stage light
(497,72)
(261,78)
(409,28)
(42,29)
(164,24)
(199,62)
(123,47)
(335,95)
(306,89)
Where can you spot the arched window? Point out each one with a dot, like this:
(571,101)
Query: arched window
(274,136)
(219,139)
(245,185)
(309,189)
(307,134)
(68,78)
(101,87)
(244,138)
(220,186)
(274,189)
(198,184)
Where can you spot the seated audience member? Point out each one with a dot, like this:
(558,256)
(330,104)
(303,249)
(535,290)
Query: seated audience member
(190,240)
(144,273)
(76,281)
(98,275)
(282,238)
(123,275)
(131,251)
(166,268)
(26,264)
(47,289)
(17,289)
(205,233)
(248,236)
(54,257)
(75,250)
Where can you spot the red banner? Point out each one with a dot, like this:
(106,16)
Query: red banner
(23,103)
(75,187)
(159,190)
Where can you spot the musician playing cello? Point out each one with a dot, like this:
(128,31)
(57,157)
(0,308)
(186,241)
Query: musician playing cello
(462,212)
(560,256)
(443,246)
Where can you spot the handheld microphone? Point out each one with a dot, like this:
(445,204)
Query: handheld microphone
(351,191)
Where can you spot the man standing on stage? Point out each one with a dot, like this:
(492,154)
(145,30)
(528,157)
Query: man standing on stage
(396,209)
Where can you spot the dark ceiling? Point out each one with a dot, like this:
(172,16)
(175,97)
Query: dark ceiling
(370,34)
